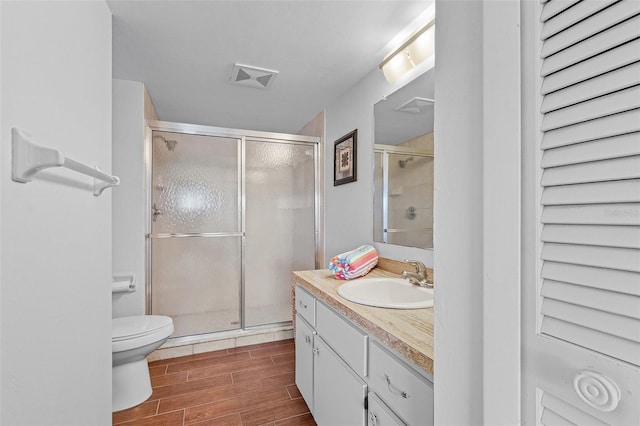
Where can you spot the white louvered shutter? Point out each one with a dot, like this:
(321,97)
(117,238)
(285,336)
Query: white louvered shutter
(591,178)
(590,233)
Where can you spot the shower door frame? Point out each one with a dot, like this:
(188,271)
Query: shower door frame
(242,135)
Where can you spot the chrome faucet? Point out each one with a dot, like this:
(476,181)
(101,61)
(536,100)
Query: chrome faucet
(419,277)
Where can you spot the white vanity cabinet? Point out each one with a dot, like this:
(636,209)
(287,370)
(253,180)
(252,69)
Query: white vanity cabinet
(349,380)
(335,394)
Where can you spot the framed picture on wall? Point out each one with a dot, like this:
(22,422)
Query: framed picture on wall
(345,159)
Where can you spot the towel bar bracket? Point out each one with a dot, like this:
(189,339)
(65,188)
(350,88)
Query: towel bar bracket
(29,159)
(99,185)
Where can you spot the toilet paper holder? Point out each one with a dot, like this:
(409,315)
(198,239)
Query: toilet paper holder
(123,283)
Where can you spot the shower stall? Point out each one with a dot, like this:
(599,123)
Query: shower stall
(231,214)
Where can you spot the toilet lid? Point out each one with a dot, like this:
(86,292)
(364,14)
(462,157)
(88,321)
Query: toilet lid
(131,327)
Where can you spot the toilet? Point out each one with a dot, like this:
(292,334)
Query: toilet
(133,338)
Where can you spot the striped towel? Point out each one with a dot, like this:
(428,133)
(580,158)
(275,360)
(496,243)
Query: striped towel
(354,263)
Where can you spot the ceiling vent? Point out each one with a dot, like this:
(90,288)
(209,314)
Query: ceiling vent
(259,78)
(416,105)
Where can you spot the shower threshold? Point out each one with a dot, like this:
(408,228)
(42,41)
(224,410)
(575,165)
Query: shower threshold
(191,345)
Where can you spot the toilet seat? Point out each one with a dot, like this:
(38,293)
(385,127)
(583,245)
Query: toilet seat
(137,331)
(135,326)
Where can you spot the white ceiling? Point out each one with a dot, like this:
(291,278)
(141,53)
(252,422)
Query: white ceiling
(184,52)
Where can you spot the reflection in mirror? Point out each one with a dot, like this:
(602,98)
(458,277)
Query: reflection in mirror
(403,165)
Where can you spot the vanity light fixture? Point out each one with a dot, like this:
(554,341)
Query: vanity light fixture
(415,50)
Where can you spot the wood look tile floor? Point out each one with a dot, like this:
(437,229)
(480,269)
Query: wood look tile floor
(251,385)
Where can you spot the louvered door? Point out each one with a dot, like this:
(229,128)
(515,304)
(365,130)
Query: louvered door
(588,311)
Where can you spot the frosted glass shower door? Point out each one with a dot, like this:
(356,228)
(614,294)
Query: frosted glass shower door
(196,239)
(279,225)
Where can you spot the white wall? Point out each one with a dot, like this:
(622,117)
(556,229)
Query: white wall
(55,265)
(349,207)
(458,217)
(1,174)
(1,168)
(129,201)
(477,213)
(501,212)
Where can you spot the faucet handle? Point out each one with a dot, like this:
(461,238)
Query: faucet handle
(420,267)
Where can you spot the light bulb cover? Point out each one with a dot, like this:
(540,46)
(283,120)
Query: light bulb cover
(397,66)
(422,47)
(415,50)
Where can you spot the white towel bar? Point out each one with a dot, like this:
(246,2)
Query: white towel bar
(29,159)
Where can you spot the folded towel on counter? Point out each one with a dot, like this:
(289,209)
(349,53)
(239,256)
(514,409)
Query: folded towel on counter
(354,263)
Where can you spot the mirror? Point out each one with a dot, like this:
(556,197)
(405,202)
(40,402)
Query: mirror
(403,165)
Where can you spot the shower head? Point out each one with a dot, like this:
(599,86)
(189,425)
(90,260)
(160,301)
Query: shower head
(403,163)
(170,143)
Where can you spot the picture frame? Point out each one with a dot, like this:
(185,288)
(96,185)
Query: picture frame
(345,159)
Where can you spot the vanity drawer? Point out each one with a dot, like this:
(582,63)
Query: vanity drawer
(306,305)
(380,414)
(407,393)
(346,339)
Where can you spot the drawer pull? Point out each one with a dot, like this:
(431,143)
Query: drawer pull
(394,390)
(307,338)
(373,419)
(316,351)
(302,305)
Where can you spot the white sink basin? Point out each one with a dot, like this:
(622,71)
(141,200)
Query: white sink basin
(395,293)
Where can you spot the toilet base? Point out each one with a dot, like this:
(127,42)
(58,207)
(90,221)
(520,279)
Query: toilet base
(131,385)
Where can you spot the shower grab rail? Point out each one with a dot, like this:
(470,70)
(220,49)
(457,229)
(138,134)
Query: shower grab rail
(29,159)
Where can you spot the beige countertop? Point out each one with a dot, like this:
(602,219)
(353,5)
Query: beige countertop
(408,331)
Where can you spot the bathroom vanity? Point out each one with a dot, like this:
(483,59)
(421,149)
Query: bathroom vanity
(360,365)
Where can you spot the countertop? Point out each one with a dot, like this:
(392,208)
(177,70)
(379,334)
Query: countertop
(407,331)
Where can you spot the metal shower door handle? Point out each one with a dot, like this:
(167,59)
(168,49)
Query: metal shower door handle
(155,211)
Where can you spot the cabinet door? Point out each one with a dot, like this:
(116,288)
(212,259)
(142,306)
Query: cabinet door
(304,360)
(338,392)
